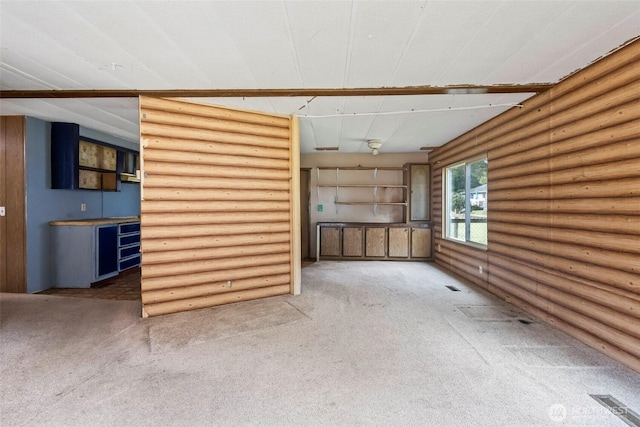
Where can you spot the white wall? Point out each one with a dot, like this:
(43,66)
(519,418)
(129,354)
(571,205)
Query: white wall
(349,213)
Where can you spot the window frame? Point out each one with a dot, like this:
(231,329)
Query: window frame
(446,202)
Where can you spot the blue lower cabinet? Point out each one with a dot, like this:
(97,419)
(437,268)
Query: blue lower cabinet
(107,254)
(128,245)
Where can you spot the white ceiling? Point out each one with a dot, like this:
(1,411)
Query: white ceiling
(154,45)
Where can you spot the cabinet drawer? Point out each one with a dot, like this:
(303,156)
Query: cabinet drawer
(129,239)
(130,262)
(129,250)
(132,227)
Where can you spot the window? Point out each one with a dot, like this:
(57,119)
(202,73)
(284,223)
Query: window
(466,202)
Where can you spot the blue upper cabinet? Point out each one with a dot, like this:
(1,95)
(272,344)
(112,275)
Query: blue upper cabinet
(65,141)
(79,163)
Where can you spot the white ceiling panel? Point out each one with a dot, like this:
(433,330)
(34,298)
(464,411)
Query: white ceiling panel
(147,45)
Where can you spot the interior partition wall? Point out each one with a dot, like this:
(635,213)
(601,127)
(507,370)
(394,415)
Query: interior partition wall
(563,213)
(218,209)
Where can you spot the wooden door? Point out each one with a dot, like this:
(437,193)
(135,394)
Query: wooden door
(399,242)
(375,239)
(421,243)
(352,241)
(305,197)
(13,254)
(220,205)
(330,241)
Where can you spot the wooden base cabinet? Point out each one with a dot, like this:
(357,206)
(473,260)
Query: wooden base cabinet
(373,241)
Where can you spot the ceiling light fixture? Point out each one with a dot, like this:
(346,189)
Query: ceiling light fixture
(374,145)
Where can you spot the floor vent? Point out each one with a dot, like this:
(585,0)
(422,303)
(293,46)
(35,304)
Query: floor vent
(618,409)
(525,321)
(453,288)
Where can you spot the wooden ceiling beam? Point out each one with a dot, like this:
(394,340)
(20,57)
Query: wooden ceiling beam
(269,93)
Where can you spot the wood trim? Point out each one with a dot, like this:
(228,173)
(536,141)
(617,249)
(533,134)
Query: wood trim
(271,93)
(13,235)
(296,243)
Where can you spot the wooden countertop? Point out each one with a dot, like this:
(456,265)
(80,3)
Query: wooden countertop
(375,224)
(97,221)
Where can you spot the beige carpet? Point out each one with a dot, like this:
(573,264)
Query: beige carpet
(367,343)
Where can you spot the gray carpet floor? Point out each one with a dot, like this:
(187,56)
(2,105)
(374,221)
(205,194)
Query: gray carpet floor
(367,343)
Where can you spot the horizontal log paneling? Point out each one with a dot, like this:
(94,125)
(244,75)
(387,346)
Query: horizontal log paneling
(214,171)
(594,239)
(201,197)
(173,181)
(188,218)
(154,129)
(162,206)
(532,251)
(202,266)
(183,292)
(182,157)
(198,122)
(614,224)
(605,205)
(215,253)
(155,283)
(167,232)
(208,152)
(563,205)
(216,205)
(594,172)
(212,300)
(620,188)
(213,112)
(200,242)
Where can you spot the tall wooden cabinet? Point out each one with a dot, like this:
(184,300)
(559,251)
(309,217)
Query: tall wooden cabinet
(417,179)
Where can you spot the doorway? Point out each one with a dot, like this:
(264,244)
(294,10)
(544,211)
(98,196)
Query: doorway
(13,276)
(305,197)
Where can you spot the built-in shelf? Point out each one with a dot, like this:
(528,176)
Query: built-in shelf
(363,185)
(398,189)
(361,168)
(372,203)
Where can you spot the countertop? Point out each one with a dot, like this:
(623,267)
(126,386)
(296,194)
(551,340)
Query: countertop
(97,221)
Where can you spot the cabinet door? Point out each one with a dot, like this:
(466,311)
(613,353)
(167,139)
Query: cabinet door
(329,241)
(107,250)
(399,242)
(421,243)
(419,193)
(375,242)
(352,241)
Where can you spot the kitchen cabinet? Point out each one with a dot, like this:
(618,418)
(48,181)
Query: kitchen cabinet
(80,163)
(417,179)
(375,238)
(374,241)
(128,245)
(399,242)
(106,253)
(89,251)
(352,241)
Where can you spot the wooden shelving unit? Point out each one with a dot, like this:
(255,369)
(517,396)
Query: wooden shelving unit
(374,186)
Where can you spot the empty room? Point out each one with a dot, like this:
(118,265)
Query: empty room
(320,213)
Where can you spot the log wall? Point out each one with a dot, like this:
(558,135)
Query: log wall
(563,205)
(217,204)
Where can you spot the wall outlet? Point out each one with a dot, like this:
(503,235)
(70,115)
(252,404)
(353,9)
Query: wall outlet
(479,269)
(439,247)
(83,207)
